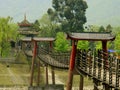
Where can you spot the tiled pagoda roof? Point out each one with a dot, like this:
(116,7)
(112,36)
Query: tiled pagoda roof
(25,22)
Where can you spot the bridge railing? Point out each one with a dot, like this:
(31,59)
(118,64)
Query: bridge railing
(62,57)
(55,57)
(99,65)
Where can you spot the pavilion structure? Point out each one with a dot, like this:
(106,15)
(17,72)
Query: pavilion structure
(26,28)
(87,36)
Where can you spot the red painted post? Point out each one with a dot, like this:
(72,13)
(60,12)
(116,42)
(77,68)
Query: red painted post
(50,44)
(104,46)
(33,61)
(71,66)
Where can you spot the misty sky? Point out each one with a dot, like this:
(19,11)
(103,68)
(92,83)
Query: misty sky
(98,11)
(34,9)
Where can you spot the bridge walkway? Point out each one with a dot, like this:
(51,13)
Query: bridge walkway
(101,67)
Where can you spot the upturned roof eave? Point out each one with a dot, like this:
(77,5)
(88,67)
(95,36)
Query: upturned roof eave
(38,39)
(72,36)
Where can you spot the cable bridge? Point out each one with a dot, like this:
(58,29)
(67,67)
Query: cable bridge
(103,68)
(88,63)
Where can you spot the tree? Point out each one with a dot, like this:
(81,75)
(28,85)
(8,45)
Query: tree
(48,29)
(83,45)
(61,44)
(7,32)
(69,13)
(117,43)
(109,28)
(36,25)
(101,29)
(98,45)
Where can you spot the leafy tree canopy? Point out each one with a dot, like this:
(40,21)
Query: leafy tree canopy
(61,44)
(101,29)
(47,28)
(69,13)
(36,25)
(83,45)
(8,32)
(109,28)
(117,42)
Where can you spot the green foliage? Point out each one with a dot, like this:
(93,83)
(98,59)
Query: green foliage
(92,45)
(47,28)
(5,49)
(7,32)
(111,45)
(94,28)
(98,45)
(109,28)
(101,29)
(69,13)
(116,30)
(36,25)
(21,58)
(117,42)
(61,44)
(91,28)
(83,45)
